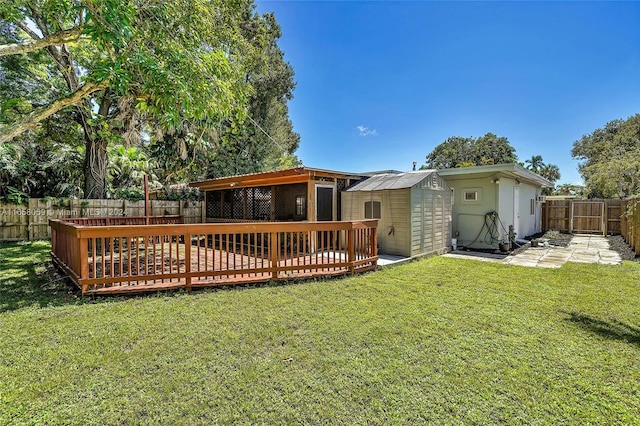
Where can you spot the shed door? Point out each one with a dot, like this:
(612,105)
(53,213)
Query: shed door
(324,203)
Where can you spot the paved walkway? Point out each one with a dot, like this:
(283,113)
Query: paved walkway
(581,248)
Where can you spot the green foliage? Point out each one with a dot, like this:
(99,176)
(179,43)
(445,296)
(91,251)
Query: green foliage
(127,169)
(551,172)
(17,196)
(179,66)
(39,166)
(457,151)
(265,139)
(534,163)
(184,194)
(420,343)
(569,189)
(610,159)
(131,194)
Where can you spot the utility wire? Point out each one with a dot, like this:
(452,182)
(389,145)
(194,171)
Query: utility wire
(267,134)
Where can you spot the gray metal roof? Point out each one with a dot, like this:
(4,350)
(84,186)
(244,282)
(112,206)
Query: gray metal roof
(391,181)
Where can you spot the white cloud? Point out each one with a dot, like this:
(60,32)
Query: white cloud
(365,131)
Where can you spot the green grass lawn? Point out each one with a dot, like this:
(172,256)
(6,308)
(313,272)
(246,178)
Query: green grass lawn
(442,341)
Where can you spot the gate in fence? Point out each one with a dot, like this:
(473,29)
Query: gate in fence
(583,216)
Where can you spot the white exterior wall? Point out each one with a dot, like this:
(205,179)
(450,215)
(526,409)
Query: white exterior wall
(468,217)
(507,209)
(510,213)
(529,223)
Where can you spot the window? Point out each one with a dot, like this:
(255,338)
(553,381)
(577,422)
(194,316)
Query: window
(532,207)
(471,195)
(301,208)
(372,210)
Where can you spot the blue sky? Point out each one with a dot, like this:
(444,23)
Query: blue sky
(380,84)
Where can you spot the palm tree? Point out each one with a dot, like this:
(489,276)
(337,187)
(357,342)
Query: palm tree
(535,163)
(550,172)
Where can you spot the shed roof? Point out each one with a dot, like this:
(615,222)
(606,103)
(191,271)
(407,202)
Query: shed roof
(392,181)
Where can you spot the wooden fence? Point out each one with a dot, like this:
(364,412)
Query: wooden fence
(135,258)
(25,222)
(583,216)
(630,224)
(606,216)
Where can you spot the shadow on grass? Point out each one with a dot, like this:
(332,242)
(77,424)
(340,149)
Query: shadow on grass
(28,278)
(611,329)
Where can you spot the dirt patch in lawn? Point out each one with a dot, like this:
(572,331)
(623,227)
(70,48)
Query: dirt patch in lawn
(617,243)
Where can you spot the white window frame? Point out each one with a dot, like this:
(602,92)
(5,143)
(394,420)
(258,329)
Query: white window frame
(477,198)
(372,209)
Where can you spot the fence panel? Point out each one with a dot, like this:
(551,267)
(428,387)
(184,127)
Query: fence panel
(23,222)
(630,224)
(587,216)
(614,216)
(557,214)
(14,222)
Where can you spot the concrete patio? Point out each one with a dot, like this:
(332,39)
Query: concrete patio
(581,249)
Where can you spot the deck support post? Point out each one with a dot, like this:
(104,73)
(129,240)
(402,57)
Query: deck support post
(83,261)
(274,252)
(374,242)
(187,260)
(351,251)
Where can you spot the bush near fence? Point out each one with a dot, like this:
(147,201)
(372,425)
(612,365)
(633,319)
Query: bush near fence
(30,221)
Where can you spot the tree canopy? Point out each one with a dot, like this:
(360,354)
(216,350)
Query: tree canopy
(610,159)
(184,81)
(459,151)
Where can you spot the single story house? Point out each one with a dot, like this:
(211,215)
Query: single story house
(413,208)
(487,200)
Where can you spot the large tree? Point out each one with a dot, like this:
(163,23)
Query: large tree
(457,151)
(261,140)
(177,64)
(265,139)
(610,159)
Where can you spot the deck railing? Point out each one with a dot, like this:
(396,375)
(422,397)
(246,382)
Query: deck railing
(103,258)
(124,220)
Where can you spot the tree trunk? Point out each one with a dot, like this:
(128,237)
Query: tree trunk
(95,167)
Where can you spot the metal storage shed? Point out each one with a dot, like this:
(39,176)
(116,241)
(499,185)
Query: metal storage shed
(413,208)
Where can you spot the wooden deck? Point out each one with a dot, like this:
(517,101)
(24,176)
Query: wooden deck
(142,258)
